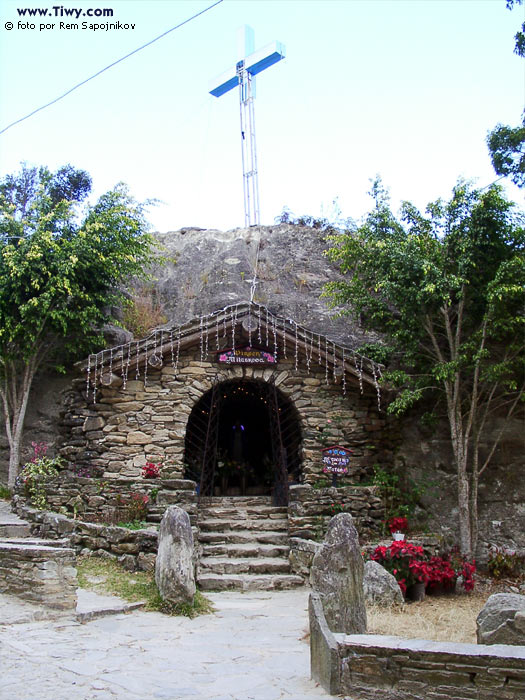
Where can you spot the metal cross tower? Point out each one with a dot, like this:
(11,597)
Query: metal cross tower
(243,74)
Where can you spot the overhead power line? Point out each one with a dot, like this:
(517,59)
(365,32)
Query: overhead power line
(119,60)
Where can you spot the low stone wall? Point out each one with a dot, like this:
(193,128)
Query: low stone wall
(101,500)
(39,573)
(310,510)
(371,667)
(134,549)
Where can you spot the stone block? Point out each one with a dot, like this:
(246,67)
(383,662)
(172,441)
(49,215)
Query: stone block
(137,438)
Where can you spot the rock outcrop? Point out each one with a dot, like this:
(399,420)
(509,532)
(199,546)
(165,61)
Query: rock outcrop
(502,620)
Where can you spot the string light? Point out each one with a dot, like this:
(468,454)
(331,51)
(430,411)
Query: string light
(96,362)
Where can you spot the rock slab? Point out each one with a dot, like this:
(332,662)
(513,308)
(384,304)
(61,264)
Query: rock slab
(337,575)
(501,621)
(174,573)
(380,587)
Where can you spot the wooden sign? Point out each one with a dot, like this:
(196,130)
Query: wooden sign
(246,356)
(336,460)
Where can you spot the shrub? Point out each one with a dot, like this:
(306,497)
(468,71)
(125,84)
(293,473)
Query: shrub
(36,473)
(503,562)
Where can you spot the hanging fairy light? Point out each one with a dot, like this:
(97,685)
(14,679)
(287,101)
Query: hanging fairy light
(96,363)
(344,372)
(172,349)
(88,371)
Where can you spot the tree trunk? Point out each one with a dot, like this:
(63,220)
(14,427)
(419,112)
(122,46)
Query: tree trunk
(15,415)
(460,451)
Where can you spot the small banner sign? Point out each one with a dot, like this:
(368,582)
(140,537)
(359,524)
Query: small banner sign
(336,460)
(246,356)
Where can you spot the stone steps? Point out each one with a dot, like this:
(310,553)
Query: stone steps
(242,537)
(243,582)
(249,565)
(250,512)
(245,549)
(245,545)
(21,529)
(216,525)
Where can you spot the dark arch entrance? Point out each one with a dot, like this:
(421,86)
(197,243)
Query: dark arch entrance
(243,438)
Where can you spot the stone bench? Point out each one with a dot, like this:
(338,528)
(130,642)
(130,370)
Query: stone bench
(39,571)
(371,667)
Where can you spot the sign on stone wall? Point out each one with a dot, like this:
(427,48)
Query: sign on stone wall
(336,459)
(246,356)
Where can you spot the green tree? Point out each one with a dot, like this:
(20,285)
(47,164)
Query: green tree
(506,143)
(60,270)
(446,288)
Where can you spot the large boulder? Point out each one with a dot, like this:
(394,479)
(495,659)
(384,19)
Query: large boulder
(174,574)
(380,587)
(501,620)
(337,575)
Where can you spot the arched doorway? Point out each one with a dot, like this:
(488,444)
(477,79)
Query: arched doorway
(243,438)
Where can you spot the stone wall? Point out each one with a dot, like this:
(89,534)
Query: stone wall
(123,428)
(39,573)
(371,667)
(310,509)
(425,455)
(134,549)
(105,500)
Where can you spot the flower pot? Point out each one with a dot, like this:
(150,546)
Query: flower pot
(416,591)
(398,536)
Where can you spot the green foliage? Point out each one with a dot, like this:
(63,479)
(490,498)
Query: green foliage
(504,563)
(61,270)
(398,499)
(106,576)
(507,151)
(506,143)
(446,290)
(37,473)
(57,275)
(519,47)
(134,525)
(5,493)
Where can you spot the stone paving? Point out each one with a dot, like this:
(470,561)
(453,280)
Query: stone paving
(254,647)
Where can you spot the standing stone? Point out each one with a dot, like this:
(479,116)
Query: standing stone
(174,573)
(337,575)
(380,587)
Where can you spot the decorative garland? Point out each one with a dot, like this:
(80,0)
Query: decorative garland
(150,350)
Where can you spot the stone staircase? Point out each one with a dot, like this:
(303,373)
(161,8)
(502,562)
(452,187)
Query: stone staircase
(244,542)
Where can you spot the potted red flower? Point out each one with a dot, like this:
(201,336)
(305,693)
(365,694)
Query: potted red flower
(398,526)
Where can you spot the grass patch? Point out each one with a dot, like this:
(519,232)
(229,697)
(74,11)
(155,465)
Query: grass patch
(5,493)
(107,576)
(448,618)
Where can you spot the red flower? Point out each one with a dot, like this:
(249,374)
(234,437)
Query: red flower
(150,471)
(399,524)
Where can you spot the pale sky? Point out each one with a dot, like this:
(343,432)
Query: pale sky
(404,89)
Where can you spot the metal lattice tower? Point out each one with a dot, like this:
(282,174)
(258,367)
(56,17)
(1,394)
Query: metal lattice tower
(243,74)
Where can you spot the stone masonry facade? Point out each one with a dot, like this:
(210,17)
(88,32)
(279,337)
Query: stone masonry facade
(115,435)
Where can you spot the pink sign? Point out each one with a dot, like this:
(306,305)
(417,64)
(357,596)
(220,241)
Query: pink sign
(246,356)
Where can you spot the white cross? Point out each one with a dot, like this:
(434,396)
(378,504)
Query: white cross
(243,74)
